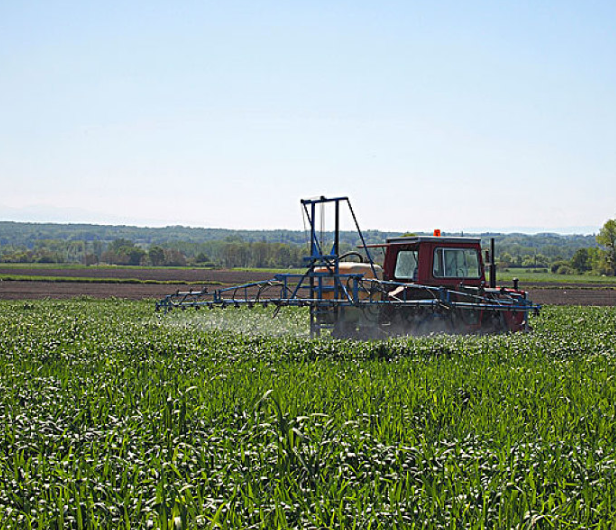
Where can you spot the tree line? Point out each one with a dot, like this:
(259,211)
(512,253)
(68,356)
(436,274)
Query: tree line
(23,243)
(599,259)
(226,254)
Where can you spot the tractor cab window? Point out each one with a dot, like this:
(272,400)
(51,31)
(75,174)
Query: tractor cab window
(456,263)
(406,265)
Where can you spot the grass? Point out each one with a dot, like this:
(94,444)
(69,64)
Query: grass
(89,279)
(527,275)
(524,275)
(289,270)
(111,417)
(78,266)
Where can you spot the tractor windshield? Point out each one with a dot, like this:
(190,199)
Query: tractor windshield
(456,263)
(406,265)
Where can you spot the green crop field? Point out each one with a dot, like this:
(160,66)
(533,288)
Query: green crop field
(113,417)
(536,276)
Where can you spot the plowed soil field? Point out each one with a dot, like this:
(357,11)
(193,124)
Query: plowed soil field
(98,287)
(183,279)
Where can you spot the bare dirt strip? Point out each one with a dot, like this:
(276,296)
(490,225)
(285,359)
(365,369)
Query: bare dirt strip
(547,294)
(571,295)
(212,276)
(34,289)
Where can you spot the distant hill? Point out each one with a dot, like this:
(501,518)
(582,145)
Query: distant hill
(27,235)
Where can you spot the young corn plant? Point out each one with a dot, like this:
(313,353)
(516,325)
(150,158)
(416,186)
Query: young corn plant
(110,418)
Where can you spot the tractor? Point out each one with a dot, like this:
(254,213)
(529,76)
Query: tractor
(426,284)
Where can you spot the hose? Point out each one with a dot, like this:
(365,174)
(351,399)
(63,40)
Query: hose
(353,253)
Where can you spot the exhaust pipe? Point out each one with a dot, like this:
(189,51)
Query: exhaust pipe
(492,264)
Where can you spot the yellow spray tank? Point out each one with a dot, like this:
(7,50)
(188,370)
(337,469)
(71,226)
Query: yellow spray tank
(344,268)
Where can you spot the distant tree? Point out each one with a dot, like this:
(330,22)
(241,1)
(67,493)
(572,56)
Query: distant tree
(134,255)
(504,260)
(594,259)
(119,243)
(202,258)
(528,260)
(565,269)
(91,259)
(174,258)
(74,251)
(535,260)
(45,256)
(123,252)
(157,255)
(581,260)
(234,238)
(284,257)
(561,267)
(97,247)
(236,255)
(607,239)
(260,253)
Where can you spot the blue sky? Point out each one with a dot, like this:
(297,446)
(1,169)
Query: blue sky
(460,115)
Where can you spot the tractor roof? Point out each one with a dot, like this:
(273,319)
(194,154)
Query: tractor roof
(433,239)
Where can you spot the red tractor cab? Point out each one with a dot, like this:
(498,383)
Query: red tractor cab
(435,261)
(456,265)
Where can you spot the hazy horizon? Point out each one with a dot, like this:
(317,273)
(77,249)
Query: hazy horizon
(67,216)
